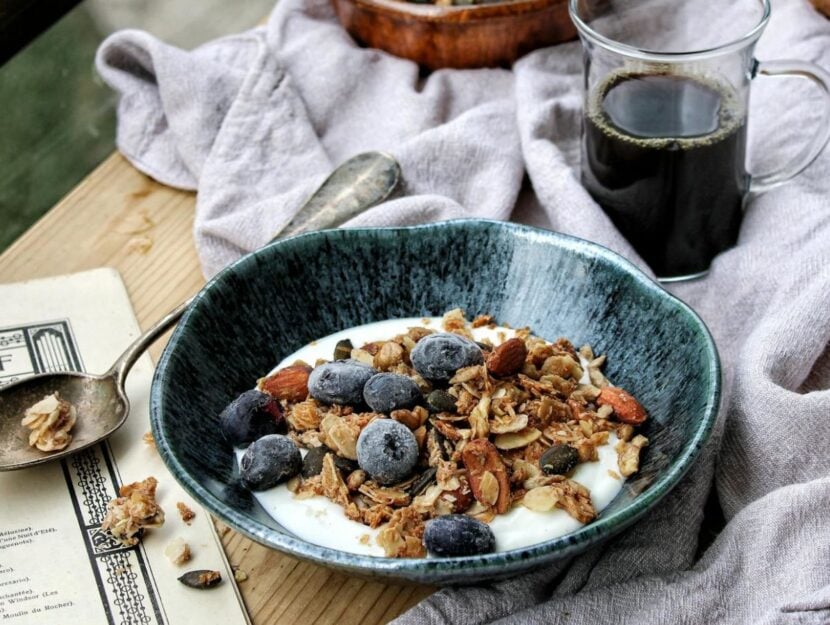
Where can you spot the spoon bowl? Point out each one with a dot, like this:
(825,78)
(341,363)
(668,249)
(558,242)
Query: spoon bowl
(98,398)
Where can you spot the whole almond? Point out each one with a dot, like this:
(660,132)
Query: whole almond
(480,457)
(290,383)
(626,408)
(507,359)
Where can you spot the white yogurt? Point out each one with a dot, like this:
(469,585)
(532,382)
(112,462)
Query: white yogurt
(320,521)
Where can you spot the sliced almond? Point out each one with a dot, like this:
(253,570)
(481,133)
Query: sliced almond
(489,488)
(508,424)
(541,499)
(515,440)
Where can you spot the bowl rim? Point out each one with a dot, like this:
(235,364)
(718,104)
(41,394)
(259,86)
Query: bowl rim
(420,569)
(462,14)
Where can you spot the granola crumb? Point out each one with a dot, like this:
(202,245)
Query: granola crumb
(239,575)
(614,474)
(178,551)
(134,511)
(185,512)
(140,244)
(221,528)
(210,578)
(149,439)
(483,320)
(365,539)
(50,421)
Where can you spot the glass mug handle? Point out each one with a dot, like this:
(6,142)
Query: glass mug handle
(810,152)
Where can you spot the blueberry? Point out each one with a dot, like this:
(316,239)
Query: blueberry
(268,461)
(251,416)
(458,535)
(313,462)
(385,392)
(387,450)
(438,356)
(340,382)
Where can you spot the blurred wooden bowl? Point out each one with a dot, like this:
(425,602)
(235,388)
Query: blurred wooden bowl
(484,35)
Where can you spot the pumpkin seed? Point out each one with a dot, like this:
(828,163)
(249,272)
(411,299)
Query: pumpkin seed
(440,401)
(201,579)
(422,481)
(559,459)
(343,349)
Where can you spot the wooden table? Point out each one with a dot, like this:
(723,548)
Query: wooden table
(96,225)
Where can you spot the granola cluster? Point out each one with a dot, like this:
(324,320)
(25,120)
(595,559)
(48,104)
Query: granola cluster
(136,509)
(50,421)
(490,438)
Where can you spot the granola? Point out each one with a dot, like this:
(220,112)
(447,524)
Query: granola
(480,434)
(50,421)
(185,512)
(134,511)
(178,551)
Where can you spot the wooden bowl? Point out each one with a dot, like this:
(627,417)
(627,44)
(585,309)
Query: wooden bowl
(485,35)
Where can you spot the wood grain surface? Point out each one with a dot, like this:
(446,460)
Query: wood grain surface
(109,220)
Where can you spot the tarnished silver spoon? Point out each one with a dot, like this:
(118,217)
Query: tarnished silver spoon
(101,402)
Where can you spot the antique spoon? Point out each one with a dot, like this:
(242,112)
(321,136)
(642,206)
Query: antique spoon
(100,400)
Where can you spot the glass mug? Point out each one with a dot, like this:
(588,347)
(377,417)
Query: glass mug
(664,132)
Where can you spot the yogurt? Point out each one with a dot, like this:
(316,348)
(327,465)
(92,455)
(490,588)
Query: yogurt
(320,521)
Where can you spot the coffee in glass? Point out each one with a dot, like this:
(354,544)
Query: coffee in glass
(664,136)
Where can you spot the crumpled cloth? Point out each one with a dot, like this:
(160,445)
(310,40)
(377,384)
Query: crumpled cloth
(254,122)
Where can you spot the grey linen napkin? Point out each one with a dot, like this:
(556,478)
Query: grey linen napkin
(254,122)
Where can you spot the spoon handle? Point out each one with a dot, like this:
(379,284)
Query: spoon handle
(357,184)
(126,361)
(354,186)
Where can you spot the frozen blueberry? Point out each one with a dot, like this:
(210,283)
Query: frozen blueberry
(385,392)
(387,450)
(251,416)
(268,461)
(458,535)
(340,382)
(438,356)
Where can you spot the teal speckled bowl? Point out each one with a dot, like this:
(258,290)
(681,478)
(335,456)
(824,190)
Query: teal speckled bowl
(277,299)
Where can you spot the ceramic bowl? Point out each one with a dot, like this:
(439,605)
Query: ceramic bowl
(479,35)
(277,299)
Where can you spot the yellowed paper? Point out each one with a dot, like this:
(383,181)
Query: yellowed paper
(56,566)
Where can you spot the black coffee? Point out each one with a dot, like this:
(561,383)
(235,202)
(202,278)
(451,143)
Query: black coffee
(664,155)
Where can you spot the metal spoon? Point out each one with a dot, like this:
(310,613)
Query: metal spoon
(358,184)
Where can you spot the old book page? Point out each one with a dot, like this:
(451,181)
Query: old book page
(56,565)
